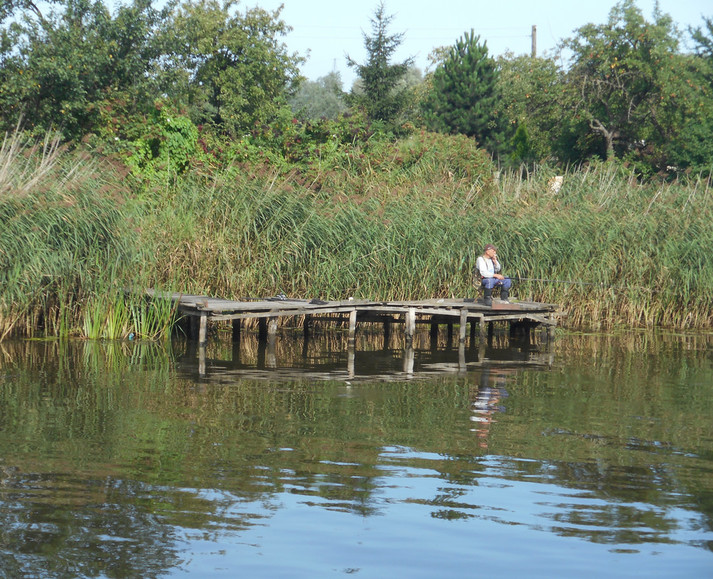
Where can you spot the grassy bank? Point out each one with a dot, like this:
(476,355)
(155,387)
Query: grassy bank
(75,232)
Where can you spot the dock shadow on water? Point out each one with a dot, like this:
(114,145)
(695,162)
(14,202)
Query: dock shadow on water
(324,458)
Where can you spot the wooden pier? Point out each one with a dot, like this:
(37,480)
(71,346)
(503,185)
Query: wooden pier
(521,316)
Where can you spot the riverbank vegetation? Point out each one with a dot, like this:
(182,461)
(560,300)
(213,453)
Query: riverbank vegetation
(208,190)
(76,235)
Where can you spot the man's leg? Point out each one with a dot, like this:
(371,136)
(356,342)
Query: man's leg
(505,292)
(488,284)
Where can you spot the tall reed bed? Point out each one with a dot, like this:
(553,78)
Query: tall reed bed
(73,237)
(615,252)
(68,247)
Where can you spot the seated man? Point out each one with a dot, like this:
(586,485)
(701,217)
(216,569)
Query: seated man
(489,268)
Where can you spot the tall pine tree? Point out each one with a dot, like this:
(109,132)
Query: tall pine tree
(463,97)
(384,95)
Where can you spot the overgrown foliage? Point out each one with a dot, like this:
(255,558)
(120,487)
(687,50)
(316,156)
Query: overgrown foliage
(68,241)
(389,221)
(226,69)
(630,90)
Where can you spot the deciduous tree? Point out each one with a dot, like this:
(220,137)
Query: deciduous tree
(639,96)
(531,90)
(56,71)
(229,69)
(615,76)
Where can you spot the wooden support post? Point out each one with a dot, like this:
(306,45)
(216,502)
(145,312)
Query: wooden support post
(433,334)
(236,330)
(409,357)
(351,355)
(387,333)
(462,366)
(463,324)
(261,347)
(482,325)
(201,360)
(193,327)
(262,329)
(272,329)
(308,326)
(352,325)
(410,325)
(270,354)
(434,331)
(203,331)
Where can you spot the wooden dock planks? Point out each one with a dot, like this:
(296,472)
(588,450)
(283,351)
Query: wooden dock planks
(202,309)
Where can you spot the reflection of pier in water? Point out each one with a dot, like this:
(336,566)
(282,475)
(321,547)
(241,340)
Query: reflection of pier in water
(326,358)
(520,318)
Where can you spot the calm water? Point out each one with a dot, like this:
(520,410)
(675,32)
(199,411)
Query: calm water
(592,457)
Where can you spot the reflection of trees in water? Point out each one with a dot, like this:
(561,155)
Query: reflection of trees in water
(57,525)
(121,421)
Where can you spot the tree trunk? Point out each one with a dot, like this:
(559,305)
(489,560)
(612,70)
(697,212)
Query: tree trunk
(609,136)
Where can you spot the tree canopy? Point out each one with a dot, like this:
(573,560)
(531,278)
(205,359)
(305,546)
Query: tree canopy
(227,68)
(629,89)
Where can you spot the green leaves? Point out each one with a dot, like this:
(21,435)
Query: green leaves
(57,71)
(227,69)
(620,84)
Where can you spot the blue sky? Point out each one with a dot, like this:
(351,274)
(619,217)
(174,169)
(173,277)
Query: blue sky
(330,29)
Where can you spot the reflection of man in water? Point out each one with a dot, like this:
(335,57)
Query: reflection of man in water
(486,404)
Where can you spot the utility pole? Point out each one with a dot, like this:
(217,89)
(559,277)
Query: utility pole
(534,40)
